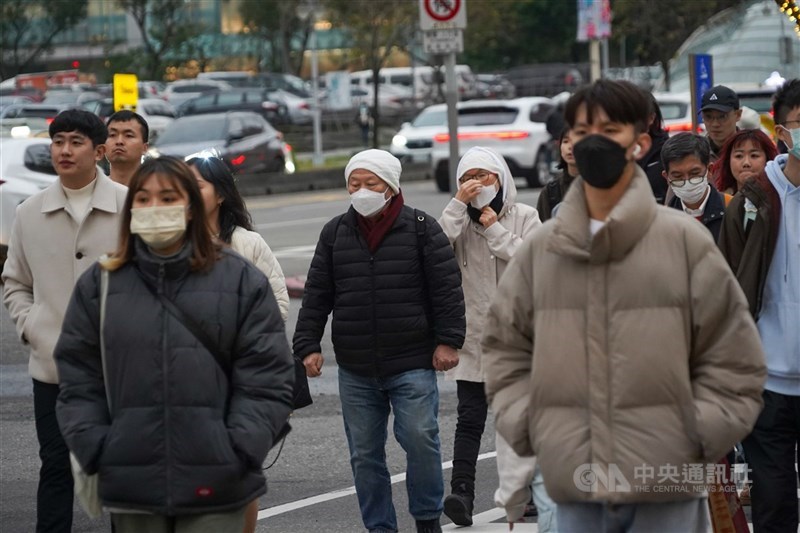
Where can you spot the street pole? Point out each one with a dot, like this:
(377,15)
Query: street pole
(318,159)
(594,59)
(451,92)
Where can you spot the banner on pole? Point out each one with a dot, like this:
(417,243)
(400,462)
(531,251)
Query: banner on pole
(594,20)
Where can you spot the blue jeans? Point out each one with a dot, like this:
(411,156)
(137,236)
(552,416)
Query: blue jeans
(689,516)
(366,402)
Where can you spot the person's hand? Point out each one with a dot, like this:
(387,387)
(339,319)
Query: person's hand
(488,217)
(445,357)
(468,191)
(313,363)
(511,524)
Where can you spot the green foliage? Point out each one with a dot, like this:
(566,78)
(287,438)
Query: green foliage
(277,22)
(28,27)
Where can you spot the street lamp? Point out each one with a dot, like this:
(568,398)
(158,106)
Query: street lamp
(304,11)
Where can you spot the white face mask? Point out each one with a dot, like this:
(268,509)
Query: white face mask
(485,197)
(367,202)
(159,226)
(691,193)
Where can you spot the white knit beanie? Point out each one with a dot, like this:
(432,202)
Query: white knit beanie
(386,166)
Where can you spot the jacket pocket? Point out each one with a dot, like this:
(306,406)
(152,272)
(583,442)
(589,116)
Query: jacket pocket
(30,322)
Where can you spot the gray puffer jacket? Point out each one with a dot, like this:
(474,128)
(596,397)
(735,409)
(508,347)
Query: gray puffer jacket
(183,438)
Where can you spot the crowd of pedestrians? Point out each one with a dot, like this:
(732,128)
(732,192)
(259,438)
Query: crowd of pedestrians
(624,347)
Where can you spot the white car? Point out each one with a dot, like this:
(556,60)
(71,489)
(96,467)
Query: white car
(181,91)
(514,128)
(414,141)
(25,169)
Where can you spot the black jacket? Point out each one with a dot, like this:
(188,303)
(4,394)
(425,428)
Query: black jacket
(651,164)
(552,195)
(712,214)
(389,311)
(183,438)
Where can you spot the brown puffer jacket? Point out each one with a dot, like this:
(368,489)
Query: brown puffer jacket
(633,347)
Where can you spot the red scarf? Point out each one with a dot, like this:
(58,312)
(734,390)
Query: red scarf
(374,229)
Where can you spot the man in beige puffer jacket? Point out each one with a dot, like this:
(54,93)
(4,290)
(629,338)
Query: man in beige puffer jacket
(619,348)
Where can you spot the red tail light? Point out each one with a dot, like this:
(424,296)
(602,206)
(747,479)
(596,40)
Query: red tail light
(236,161)
(500,135)
(288,147)
(49,120)
(303,105)
(685,126)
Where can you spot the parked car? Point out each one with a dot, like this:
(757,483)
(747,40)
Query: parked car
(180,91)
(299,108)
(494,86)
(247,99)
(157,113)
(6,101)
(25,169)
(514,128)
(45,111)
(414,141)
(247,142)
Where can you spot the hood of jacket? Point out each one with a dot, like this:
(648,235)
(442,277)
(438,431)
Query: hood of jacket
(488,159)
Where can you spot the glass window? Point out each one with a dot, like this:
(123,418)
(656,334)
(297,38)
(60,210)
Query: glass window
(193,129)
(430,118)
(37,158)
(540,112)
(487,116)
(402,79)
(226,99)
(252,125)
(672,110)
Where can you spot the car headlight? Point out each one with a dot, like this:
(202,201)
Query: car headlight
(399,141)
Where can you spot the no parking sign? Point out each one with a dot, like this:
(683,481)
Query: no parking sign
(442,14)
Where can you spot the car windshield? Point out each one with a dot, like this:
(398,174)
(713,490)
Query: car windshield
(761,103)
(194,129)
(672,110)
(487,116)
(37,158)
(430,118)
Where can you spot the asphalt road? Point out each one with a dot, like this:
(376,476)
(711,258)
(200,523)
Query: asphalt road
(310,486)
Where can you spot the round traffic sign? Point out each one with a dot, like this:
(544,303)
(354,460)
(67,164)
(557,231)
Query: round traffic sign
(442,10)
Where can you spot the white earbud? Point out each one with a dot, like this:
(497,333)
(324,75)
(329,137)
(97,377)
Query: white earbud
(637,150)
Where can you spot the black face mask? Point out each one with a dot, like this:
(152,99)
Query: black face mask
(600,160)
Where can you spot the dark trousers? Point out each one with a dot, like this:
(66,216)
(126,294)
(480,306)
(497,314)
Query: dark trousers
(771,451)
(472,409)
(55,494)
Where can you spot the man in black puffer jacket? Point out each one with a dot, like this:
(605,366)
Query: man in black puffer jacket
(388,274)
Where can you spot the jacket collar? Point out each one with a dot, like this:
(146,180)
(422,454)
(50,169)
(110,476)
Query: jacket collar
(175,266)
(625,226)
(104,196)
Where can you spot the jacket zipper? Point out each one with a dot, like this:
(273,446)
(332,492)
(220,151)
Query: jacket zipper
(374,320)
(161,275)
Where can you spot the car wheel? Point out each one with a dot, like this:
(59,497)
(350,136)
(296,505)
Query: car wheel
(443,176)
(540,174)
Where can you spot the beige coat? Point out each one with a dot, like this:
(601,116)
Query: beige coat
(482,254)
(47,253)
(252,247)
(635,347)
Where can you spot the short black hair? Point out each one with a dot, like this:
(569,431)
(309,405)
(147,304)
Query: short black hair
(622,101)
(81,121)
(124,115)
(785,99)
(683,145)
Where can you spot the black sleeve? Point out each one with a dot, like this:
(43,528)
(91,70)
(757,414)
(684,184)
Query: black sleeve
(444,287)
(82,408)
(318,295)
(262,375)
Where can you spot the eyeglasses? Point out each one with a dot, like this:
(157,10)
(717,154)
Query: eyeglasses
(715,118)
(482,176)
(694,180)
(788,124)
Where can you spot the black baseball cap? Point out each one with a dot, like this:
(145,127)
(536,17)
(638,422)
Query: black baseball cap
(720,98)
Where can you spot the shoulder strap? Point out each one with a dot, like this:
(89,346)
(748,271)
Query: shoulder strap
(199,333)
(103,298)
(554,193)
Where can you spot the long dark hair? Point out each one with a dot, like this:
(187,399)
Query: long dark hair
(232,211)
(204,251)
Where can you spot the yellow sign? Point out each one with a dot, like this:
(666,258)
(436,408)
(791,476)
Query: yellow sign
(126,91)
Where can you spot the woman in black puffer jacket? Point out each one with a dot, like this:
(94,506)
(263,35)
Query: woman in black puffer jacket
(173,430)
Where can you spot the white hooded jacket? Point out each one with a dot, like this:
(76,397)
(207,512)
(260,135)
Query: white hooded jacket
(482,253)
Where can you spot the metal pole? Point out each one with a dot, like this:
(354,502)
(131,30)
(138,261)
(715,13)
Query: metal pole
(451,92)
(318,159)
(594,59)
(604,67)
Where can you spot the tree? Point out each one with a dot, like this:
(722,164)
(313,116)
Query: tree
(28,27)
(658,32)
(376,28)
(163,26)
(277,22)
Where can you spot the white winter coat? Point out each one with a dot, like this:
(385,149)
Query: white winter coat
(482,254)
(252,246)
